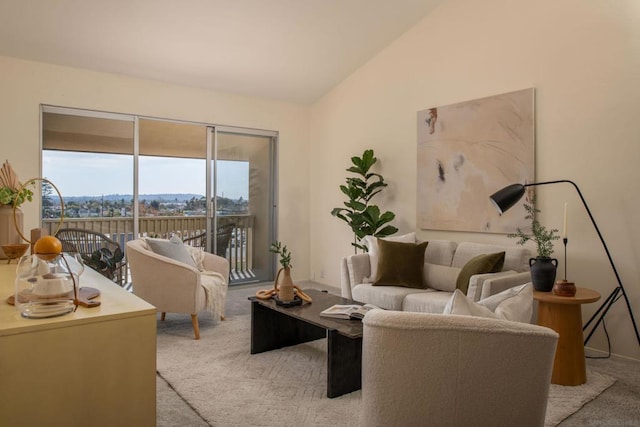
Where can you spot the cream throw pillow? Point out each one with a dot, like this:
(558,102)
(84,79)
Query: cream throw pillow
(515,304)
(172,248)
(374,252)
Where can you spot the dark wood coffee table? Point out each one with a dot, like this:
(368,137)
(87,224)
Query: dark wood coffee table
(274,326)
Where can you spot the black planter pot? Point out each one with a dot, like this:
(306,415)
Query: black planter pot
(543,273)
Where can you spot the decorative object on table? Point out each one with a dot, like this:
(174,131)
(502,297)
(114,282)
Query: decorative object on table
(14,251)
(12,195)
(46,283)
(543,267)
(86,297)
(509,195)
(565,288)
(466,149)
(284,292)
(363,218)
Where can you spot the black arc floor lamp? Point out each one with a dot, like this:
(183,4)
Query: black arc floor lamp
(509,196)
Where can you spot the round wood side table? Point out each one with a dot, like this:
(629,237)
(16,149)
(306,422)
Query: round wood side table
(564,315)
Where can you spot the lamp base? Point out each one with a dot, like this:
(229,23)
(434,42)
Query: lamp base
(562,288)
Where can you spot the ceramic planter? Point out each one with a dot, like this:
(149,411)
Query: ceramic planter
(543,273)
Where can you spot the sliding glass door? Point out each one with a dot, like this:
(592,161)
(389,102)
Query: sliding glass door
(129,176)
(243,184)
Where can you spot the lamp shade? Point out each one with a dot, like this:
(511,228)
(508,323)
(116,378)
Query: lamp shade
(507,197)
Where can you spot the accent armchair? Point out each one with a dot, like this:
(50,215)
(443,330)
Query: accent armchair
(173,286)
(421,369)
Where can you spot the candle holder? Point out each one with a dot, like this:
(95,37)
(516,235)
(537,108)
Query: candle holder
(564,288)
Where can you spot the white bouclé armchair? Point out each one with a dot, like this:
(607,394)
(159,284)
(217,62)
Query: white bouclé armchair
(421,369)
(172,286)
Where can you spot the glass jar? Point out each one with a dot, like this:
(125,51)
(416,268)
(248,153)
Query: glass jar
(46,286)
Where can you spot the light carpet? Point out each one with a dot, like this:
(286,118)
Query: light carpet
(226,385)
(566,400)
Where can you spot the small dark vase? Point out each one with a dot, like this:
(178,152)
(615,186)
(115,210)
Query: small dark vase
(543,273)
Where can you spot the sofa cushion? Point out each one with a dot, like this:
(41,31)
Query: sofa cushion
(440,277)
(516,257)
(440,252)
(512,304)
(480,285)
(172,248)
(515,304)
(460,305)
(481,264)
(400,264)
(372,245)
(426,302)
(387,297)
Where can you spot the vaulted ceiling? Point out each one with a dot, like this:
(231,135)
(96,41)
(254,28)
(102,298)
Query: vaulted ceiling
(290,50)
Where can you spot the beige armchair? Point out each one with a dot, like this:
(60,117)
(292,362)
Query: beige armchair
(421,369)
(172,286)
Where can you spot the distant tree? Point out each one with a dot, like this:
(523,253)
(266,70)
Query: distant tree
(47,192)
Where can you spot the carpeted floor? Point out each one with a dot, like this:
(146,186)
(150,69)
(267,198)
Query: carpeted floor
(220,380)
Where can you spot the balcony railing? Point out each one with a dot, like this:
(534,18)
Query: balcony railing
(239,251)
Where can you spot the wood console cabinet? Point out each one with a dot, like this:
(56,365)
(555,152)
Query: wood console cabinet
(93,367)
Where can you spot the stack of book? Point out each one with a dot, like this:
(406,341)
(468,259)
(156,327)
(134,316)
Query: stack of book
(351,311)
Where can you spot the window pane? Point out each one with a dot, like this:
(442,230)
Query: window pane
(93,185)
(233,187)
(167,184)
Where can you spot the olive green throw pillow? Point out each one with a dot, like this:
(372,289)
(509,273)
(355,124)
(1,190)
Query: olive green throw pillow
(400,264)
(485,263)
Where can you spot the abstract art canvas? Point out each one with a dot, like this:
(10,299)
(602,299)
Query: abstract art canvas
(466,152)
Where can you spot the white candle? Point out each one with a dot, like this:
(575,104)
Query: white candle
(564,229)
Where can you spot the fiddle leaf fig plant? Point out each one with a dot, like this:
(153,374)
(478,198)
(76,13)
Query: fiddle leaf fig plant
(542,236)
(363,218)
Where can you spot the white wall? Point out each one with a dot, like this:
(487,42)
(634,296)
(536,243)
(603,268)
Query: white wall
(25,85)
(582,57)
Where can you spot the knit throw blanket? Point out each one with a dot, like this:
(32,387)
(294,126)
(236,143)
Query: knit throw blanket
(213,283)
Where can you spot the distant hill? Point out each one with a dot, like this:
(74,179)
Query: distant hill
(180,197)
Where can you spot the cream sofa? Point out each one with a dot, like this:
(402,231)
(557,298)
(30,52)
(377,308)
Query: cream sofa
(443,261)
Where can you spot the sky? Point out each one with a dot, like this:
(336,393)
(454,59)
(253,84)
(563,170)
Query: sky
(96,174)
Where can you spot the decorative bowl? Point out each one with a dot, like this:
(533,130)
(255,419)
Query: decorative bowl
(14,251)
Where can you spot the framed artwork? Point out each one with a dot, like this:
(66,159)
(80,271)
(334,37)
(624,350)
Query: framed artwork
(466,152)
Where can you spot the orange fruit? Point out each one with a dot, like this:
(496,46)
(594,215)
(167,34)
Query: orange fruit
(47,247)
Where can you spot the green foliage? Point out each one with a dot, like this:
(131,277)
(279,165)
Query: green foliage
(285,255)
(363,218)
(104,261)
(47,193)
(542,237)
(9,195)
